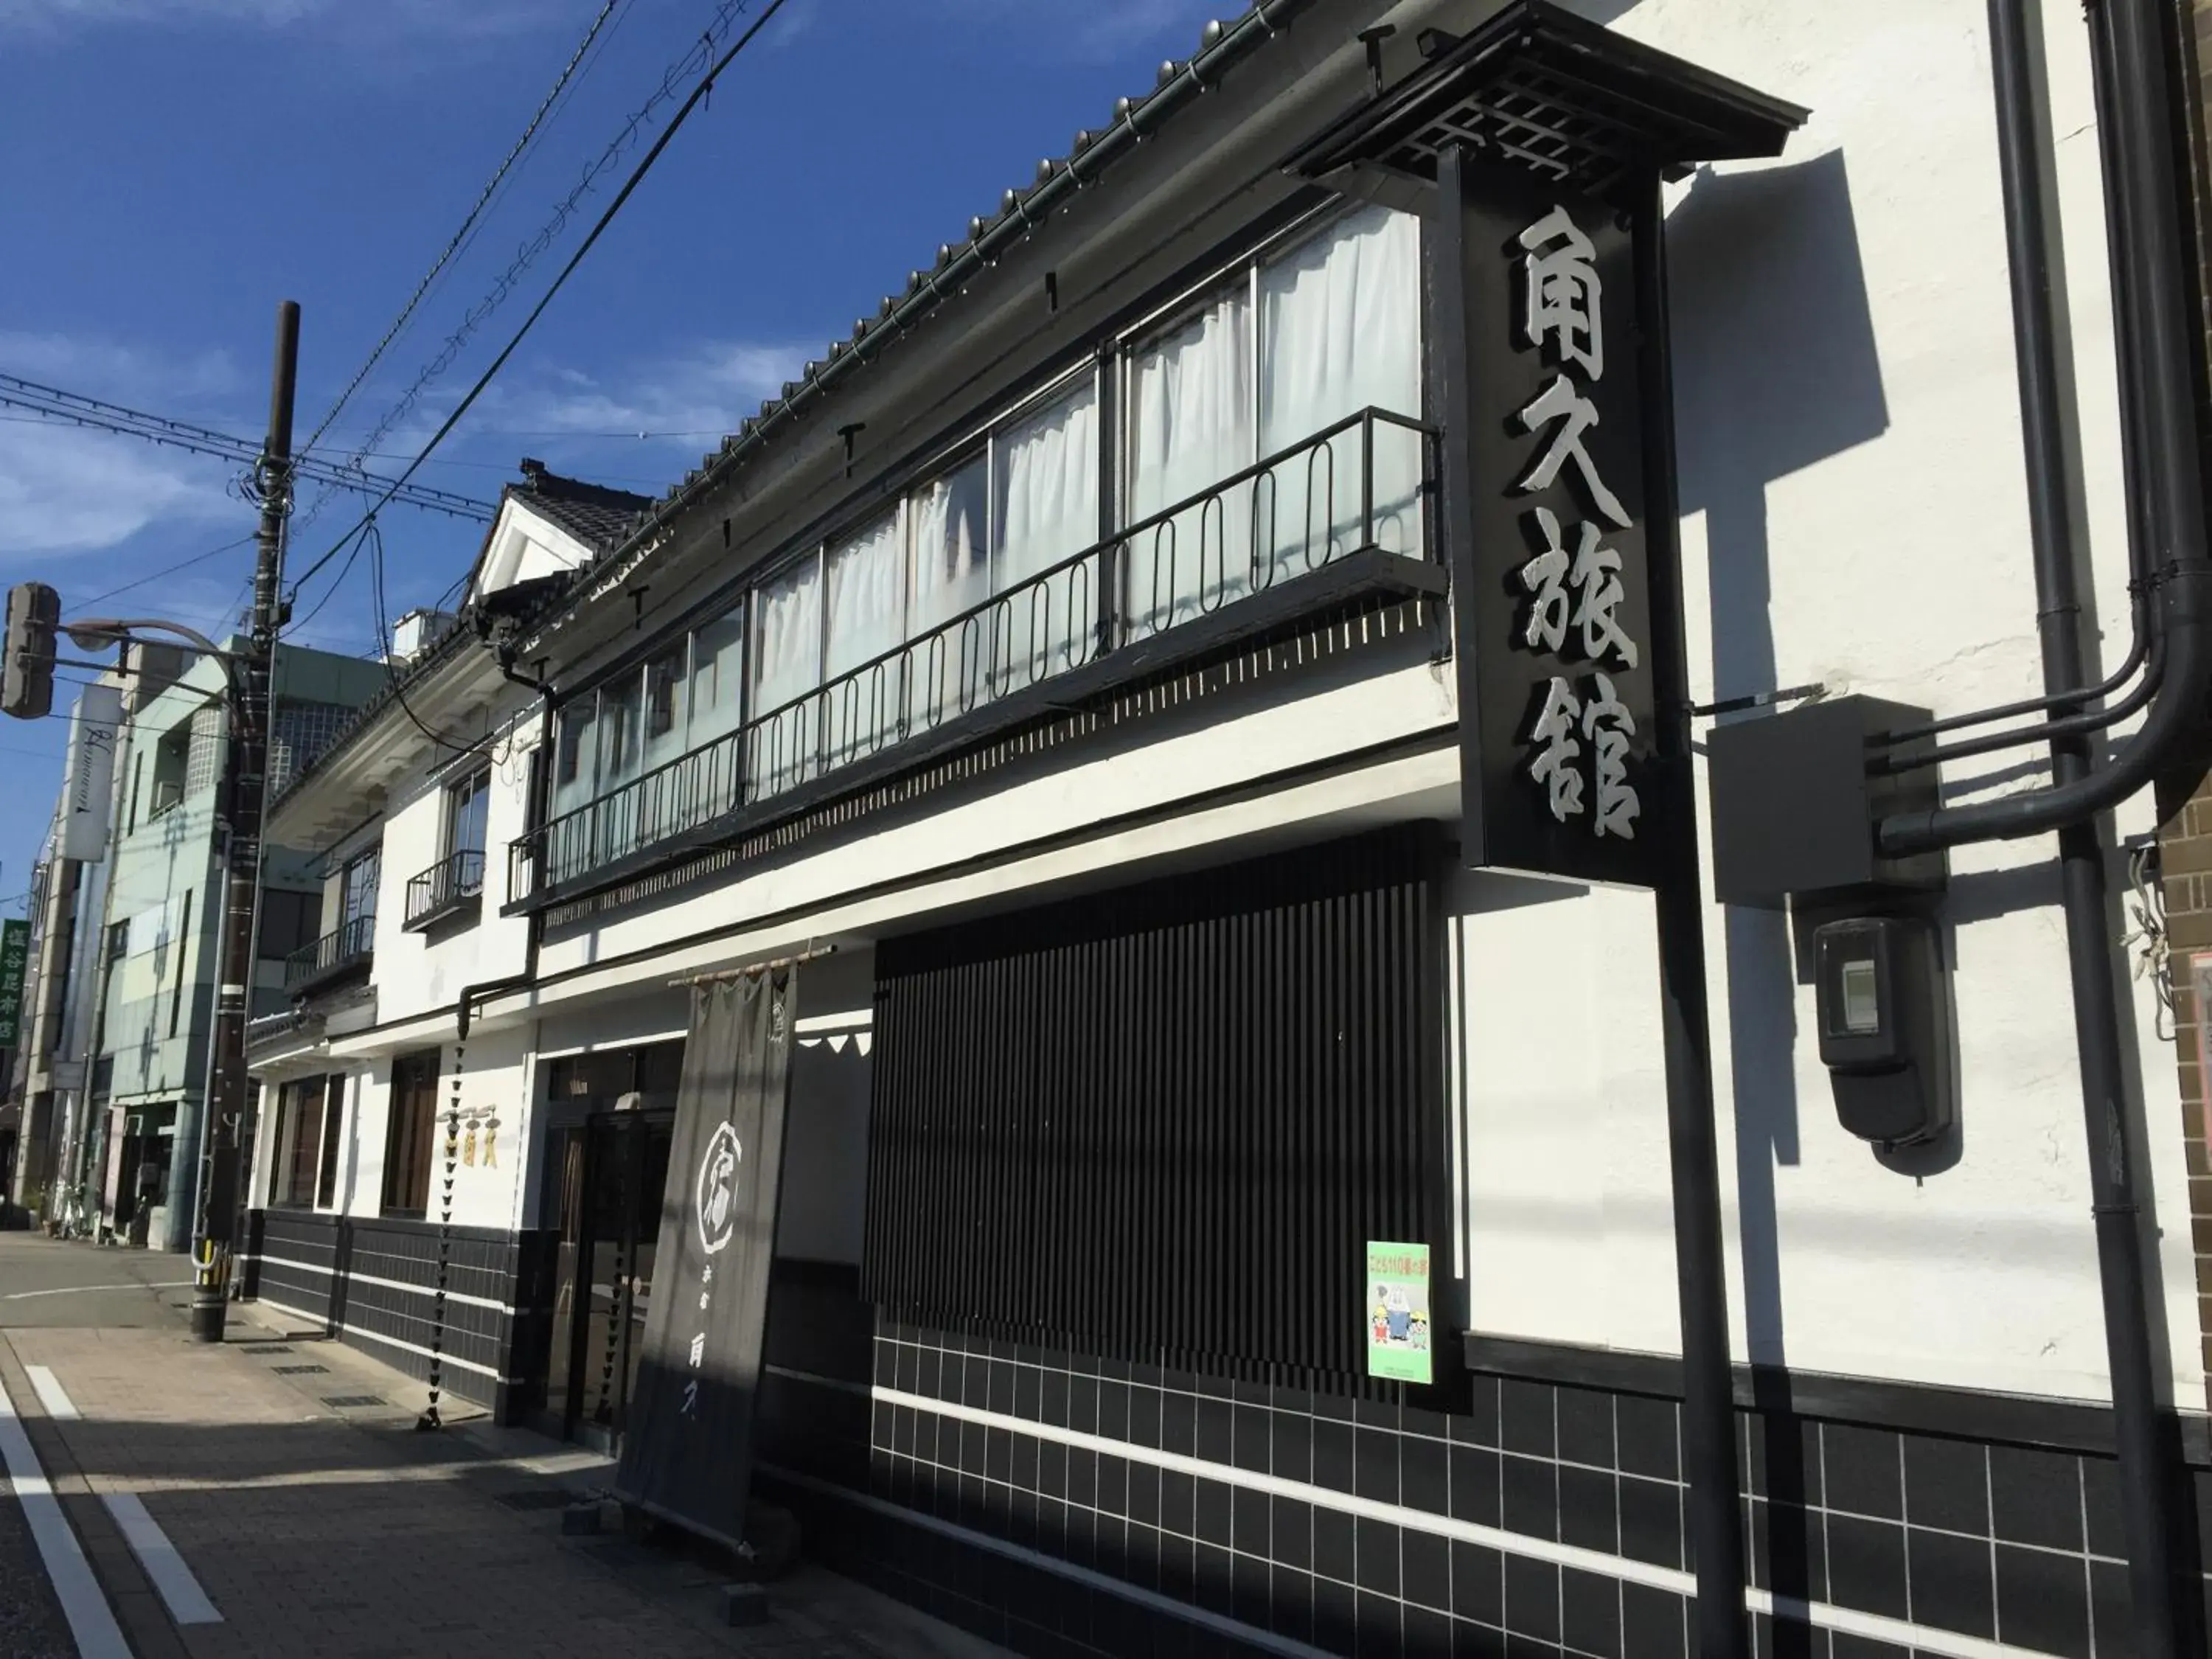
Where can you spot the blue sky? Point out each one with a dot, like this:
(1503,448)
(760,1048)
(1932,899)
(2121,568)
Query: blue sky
(177,167)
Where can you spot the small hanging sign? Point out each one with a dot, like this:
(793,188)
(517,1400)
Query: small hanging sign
(1399,1328)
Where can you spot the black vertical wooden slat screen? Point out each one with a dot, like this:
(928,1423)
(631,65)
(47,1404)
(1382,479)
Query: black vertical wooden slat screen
(1160,1124)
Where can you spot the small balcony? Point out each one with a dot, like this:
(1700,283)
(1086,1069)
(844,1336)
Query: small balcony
(337,956)
(1344,515)
(449,890)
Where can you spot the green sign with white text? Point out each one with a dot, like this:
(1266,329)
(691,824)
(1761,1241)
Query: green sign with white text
(1398,1323)
(15,953)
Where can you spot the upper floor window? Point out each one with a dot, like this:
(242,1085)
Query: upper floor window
(466,804)
(1300,340)
(685,696)
(1239,459)
(357,887)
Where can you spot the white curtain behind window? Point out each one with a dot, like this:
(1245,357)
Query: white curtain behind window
(868,614)
(718,653)
(718,689)
(950,664)
(787,664)
(1341,332)
(619,828)
(1190,426)
(1046,492)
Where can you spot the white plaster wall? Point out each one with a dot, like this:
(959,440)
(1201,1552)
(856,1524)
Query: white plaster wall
(497,1085)
(1852,485)
(368,1119)
(1564,1226)
(497,1078)
(415,972)
(1142,777)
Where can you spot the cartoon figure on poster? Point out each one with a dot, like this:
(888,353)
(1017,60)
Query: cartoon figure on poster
(1398,1334)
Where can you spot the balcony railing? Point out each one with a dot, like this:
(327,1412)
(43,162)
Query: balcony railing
(453,886)
(1361,486)
(334,955)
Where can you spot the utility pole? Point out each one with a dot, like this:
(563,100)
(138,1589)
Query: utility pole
(245,776)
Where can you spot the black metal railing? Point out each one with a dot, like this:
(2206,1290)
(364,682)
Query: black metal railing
(1359,485)
(343,948)
(454,884)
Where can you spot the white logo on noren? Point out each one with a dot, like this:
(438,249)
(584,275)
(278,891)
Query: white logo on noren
(717,1190)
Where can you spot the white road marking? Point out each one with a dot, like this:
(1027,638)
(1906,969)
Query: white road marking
(51,1395)
(80,1290)
(91,1622)
(188,1603)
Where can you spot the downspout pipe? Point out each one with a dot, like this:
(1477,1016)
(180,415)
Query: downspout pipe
(2155,318)
(2143,1430)
(474,996)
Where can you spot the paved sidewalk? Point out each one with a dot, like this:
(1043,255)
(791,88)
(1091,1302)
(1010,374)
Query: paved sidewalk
(330,1531)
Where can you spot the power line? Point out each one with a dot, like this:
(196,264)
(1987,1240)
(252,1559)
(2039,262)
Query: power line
(468,222)
(75,409)
(166,570)
(337,582)
(725,16)
(629,185)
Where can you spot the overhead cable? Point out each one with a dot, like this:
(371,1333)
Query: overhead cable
(460,236)
(697,59)
(53,404)
(638,177)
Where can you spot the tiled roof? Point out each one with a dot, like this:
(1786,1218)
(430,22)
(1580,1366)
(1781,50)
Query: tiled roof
(594,514)
(1021,210)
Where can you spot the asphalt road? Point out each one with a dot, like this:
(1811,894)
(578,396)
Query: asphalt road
(43,1283)
(46,1283)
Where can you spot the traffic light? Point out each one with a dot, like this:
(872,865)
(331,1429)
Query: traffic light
(27,670)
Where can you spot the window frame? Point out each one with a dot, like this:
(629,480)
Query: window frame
(369,860)
(1106,359)
(410,1146)
(327,1169)
(290,1186)
(476,784)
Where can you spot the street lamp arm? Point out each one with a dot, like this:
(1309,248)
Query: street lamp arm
(104,630)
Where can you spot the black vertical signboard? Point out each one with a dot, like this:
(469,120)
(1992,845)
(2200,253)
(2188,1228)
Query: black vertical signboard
(1555,674)
(687,1443)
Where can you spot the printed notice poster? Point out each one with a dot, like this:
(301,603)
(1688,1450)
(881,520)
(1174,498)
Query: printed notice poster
(1398,1312)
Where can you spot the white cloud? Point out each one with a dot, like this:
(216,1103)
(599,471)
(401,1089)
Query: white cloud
(706,391)
(67,491)
(114,372)
(70,490)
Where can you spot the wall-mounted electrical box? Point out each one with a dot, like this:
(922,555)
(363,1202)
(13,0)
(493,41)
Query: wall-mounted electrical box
(1795,798)
(1885,1027)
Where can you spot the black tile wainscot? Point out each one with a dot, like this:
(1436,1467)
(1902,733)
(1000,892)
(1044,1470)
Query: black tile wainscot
(372,1283)
(1066,1505)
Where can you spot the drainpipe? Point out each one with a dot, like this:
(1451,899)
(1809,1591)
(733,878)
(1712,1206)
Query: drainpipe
(2156,319)
(2166,510)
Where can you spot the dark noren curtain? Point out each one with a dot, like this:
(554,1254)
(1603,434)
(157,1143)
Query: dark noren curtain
(687,1448)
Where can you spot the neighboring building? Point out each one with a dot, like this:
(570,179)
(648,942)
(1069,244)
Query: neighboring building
(1212,686)
(142,977)
(68,910)
(410,811)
